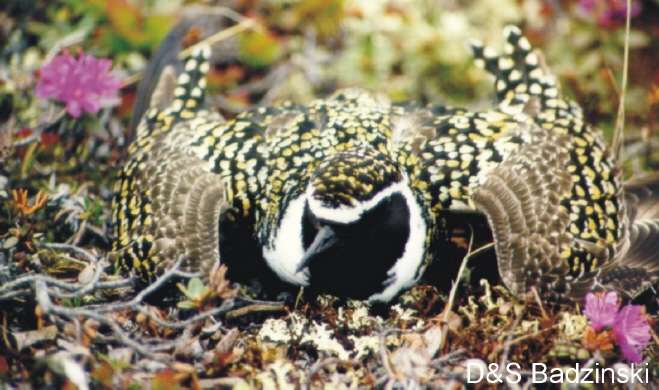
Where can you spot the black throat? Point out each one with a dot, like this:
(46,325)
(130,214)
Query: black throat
(356,264)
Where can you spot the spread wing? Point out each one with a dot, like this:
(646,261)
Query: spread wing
(188,171)
(467,157)
(522,201)
(167,200)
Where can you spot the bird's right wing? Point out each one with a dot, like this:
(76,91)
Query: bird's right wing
(167,198)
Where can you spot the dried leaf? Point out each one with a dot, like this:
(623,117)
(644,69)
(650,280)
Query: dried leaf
(165,380)
(87,274)
(433,339)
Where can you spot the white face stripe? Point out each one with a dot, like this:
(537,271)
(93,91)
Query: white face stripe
(349,214)
(286,251)
(405,272)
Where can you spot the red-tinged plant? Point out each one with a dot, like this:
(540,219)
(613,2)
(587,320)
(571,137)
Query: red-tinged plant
(629,324)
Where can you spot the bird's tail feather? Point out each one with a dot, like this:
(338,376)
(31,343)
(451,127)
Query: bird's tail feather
(639,268)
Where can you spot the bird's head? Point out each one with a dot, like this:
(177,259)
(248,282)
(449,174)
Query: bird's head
(363,229)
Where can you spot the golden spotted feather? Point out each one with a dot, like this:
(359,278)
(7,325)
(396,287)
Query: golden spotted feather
(200,187)
(550,188)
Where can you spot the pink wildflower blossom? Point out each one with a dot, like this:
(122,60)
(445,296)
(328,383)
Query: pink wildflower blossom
(80,83)
(601,309)
(629,325)
(632,331)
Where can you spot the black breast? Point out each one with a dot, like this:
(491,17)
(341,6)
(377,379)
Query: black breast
(356,265)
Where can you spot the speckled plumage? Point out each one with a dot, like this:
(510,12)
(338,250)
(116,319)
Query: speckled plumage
(468,163)
(274,184)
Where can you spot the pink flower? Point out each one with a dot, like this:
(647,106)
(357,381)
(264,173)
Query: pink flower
(632,331)
(609,13)
(629,325)
(80,83)
(601,309)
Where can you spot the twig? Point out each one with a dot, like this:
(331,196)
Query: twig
(298,299)
(31,278)
(45,288)
(157,284)
(41,293)
(437,363)
(480,250)
(12,289)
(225,307)
(114,284)
(257,308)
(616,144)
(536,296)
(15,294)
(84,289)
(463,265)
(245,24)
(187,275)
(449,303)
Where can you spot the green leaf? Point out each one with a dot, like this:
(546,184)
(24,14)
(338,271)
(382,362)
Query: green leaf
(196,287)
(194,290)
(258,49)
(131,28)
(187,305)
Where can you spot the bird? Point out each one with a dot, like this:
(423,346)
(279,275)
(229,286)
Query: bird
(354,195)
(295,187)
